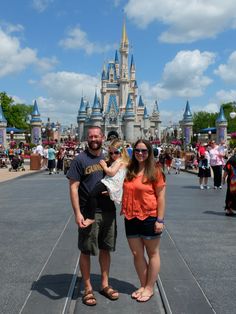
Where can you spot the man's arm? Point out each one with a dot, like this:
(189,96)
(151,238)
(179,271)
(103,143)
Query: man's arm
(74,197)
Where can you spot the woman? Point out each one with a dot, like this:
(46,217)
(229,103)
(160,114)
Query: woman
(216,162)
(143,206)
(230,174)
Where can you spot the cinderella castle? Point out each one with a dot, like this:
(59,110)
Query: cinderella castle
(119,107)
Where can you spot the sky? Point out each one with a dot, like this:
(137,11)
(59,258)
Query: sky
(53,51)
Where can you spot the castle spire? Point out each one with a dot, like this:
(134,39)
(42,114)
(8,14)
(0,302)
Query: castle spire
(124,34)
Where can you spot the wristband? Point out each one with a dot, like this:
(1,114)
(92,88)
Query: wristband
(161,221)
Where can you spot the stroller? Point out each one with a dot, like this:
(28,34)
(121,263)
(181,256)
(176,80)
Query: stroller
(3,161)
(17,163)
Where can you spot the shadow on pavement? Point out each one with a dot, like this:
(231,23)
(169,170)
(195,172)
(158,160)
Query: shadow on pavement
(53,286)
(211,212)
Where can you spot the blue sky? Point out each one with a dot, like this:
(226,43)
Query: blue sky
(54,50)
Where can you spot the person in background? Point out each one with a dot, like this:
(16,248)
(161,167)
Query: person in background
(216,162)
(45,157)
(143,206)
(39,151)
(204,171)
(51,159)
(230,175)
(168,160)
(60,157)
(177,162)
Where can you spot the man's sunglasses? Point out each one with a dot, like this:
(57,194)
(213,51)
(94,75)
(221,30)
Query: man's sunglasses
(142,151)
(115,152)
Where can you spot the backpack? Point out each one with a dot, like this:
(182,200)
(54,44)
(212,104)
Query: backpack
(232,183)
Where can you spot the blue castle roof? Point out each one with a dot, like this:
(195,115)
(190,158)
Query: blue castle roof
(2,117)
(129,111)
(221,116)
(187,114)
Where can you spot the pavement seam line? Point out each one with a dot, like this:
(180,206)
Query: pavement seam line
(40,273)
(180,255)
(72,287)
(163,296)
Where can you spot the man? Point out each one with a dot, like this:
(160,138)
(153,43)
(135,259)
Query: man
(85,171)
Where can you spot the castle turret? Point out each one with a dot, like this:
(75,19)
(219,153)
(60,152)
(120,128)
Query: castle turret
(96,115)
(124,76)
(187,125)
(129,118)
(146,124)
(81,119)
(3,126)
(155,121)
(36,125)
(221,126)
(132,71)
(117,66)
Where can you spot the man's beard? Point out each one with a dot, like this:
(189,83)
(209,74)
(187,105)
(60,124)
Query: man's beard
(95,145)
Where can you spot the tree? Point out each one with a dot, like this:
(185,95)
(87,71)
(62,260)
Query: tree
(17,115)
(202,120)
(230,107)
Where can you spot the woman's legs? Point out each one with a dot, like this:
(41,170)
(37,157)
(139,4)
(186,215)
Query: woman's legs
(153,268)
(147,271)
(137,248)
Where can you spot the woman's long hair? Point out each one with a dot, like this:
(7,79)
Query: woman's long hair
(150,169)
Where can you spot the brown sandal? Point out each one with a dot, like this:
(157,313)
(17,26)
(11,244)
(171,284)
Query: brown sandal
(109,292)
(89,298)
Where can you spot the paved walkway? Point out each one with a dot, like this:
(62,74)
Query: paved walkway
(6,175)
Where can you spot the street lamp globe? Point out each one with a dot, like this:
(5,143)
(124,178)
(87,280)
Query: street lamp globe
(232,115)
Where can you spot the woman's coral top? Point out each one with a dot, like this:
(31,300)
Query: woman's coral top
(139,199)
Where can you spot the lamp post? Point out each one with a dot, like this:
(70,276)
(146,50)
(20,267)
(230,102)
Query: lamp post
(29,135)
(12,135)
(209,135)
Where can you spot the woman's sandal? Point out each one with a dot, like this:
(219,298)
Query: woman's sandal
(109,292)
(89,298)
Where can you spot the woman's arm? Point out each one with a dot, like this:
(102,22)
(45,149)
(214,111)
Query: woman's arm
(112,170)
(160,192)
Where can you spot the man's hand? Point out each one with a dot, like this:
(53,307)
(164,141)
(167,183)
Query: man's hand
(79,219)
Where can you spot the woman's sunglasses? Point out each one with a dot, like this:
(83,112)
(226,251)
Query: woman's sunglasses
(115,152)
(142,151)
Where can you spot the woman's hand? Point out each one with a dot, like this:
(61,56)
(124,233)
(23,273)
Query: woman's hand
(159,227)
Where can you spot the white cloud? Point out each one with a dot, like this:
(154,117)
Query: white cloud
(226,96)
(182,77)
(41,5)
(78,39)
(227,72)
(14,58)
(64,90)
(187,20)
(210,107)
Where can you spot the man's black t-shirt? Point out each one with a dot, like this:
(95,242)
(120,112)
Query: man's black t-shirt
(86,169)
